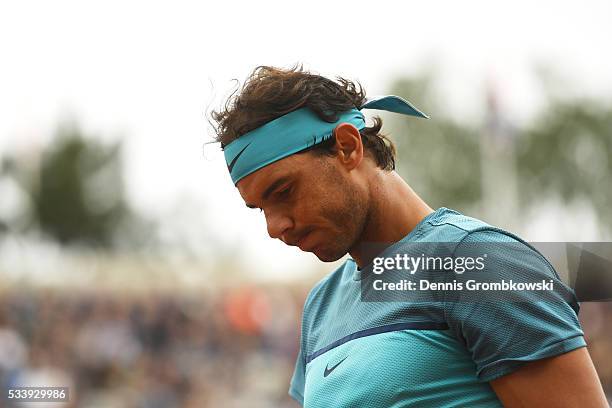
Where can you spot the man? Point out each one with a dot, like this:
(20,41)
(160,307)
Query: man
(297,148)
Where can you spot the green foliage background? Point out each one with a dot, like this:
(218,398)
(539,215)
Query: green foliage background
(564,153)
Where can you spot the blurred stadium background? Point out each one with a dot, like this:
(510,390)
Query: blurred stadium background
(130,269)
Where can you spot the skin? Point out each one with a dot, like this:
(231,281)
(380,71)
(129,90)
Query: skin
(567,380)
(333,205)
(357,203)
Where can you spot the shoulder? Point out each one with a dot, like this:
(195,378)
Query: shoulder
(460,235)
(461,224)
(446,225)
(451,226)
(447,231)
(505,248)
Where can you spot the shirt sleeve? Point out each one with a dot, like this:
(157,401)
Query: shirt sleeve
(296,387)
(504,329)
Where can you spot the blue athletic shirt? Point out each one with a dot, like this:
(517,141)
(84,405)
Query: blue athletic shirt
(439,353)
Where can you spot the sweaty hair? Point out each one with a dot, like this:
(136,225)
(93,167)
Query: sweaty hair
(269,93)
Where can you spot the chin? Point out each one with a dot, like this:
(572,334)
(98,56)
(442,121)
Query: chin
(329,256)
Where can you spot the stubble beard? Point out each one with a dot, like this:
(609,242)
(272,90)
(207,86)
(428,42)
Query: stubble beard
(351,219)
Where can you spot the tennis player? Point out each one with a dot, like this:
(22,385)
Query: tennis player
(297,148)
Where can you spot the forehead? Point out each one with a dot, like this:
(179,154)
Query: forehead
(253,185)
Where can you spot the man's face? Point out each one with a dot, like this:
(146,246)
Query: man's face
(309,202)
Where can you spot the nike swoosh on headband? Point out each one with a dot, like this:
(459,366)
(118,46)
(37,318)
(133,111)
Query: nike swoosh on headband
(296,131)
(230,166)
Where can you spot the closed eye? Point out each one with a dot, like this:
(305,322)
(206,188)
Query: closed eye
(284,193)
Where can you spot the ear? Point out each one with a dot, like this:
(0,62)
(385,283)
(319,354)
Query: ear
(349,146)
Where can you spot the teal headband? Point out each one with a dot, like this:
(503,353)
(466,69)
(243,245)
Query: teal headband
(297,131)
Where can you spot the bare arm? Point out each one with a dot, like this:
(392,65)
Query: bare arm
(566,380)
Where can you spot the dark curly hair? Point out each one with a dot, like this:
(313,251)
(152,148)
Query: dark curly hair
(269,93)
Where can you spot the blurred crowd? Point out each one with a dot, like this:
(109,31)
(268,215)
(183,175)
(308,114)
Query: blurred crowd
(230,348)
(226,349)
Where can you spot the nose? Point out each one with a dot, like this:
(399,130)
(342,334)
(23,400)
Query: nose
(278,224)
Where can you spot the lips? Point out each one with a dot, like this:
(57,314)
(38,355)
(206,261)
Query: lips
(306,242)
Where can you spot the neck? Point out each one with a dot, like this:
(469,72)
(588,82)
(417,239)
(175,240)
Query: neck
(395,210)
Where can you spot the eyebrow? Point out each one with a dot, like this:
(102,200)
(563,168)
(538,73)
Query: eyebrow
(271,189)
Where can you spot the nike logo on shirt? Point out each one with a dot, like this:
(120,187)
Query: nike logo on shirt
(329,370)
